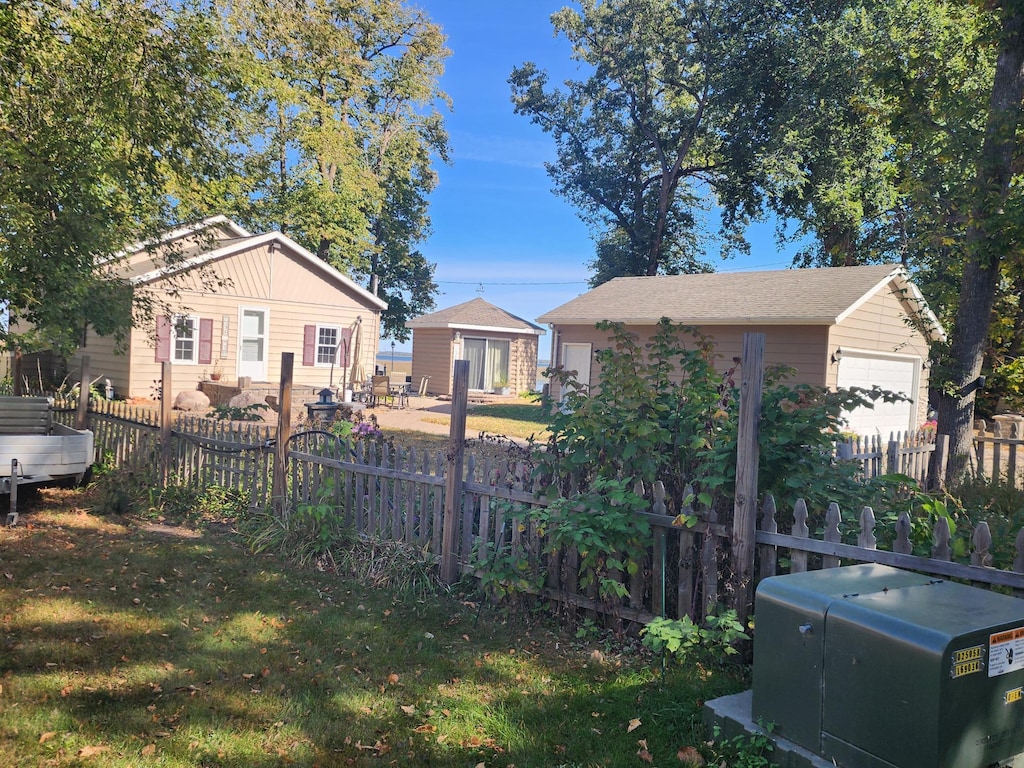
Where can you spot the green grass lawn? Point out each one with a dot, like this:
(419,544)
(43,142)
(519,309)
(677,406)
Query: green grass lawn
(522,419)
(123,644)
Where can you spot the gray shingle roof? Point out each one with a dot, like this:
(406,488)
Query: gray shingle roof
(789,296)
(475,313)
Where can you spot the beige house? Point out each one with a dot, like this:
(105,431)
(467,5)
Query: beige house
(500,347)
(230,303)
(838,327)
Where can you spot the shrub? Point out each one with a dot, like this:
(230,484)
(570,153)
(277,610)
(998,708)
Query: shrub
(664,411)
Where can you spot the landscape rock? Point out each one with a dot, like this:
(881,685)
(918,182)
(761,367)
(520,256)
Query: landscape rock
(247,398)
(191,400)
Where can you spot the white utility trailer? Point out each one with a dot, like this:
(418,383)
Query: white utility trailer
(35,449)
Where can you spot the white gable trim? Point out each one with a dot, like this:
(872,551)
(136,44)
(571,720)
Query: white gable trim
(235,247)
(176,234)
(481,328)
(929,322)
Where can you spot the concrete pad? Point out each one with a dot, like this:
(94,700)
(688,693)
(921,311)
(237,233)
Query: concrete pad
(733,715)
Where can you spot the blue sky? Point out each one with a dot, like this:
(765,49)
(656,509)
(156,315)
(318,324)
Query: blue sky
(498,231)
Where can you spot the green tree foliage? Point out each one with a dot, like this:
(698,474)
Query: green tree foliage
(344,125)
(678,114)
(108,111)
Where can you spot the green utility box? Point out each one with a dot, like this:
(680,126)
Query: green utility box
(874,667)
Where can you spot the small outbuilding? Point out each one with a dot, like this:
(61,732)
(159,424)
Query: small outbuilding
(500,347)
(836,327)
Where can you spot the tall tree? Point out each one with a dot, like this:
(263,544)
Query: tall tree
(106,109)
(935,87)
(679,115)
(995,233)
(345,123)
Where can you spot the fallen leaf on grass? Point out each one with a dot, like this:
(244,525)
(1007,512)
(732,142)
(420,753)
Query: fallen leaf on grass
(92,751)
(425,728)
(45,737)
(633,725)
(690,756)
(149,749)
(409,709)
(642,753)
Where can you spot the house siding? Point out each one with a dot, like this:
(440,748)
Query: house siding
(432,355)
(796,346)
(882,325)
(293,293)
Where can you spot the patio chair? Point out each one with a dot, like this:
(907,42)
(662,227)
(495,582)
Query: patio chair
(380,391)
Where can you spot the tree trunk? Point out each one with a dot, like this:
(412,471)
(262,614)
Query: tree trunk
(985,244)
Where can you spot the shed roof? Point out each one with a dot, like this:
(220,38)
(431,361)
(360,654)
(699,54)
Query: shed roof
(475,315)
(779,297)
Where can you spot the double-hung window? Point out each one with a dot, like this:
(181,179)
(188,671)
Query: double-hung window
(185,339)
(327,344)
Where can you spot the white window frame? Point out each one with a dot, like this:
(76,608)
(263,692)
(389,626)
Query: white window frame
(193,323)
(317,363)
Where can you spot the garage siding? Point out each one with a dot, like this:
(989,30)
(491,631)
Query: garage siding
(881,325)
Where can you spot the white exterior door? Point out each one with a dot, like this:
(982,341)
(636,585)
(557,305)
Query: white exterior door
(576,357)
(891,372)
(252,343)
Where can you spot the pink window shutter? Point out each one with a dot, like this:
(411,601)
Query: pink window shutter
(309,345)
(205,340)
(163,339)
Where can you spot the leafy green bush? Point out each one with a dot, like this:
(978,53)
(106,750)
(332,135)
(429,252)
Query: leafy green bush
(689,643)
(251,412)
(748,750)
(603,525)
(663,411)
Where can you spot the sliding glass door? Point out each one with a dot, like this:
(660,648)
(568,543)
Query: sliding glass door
(488,362)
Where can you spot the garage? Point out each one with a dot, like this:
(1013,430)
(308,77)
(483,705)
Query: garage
(896,373)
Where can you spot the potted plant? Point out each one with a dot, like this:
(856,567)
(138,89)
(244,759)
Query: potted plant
(216,372)
(501,384)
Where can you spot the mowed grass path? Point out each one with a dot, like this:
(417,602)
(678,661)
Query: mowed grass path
(522,418)
(130,645)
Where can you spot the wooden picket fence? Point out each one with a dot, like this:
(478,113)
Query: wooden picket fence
(906,453)
(399,495)
(859,544)
(999,451)
(203,451)
(461,514)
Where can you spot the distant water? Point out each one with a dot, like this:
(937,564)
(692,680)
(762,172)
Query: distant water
(385,358)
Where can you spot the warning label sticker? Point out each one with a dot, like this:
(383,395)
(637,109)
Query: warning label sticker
(1005,652)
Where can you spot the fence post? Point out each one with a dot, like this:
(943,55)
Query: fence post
(166,401)
(940,456)
(16,384)
(453,478)
(892,462)
(284,431)
(744,526)
(82,414)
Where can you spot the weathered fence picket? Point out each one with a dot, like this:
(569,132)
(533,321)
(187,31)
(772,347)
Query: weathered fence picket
(832,550)
(400,495)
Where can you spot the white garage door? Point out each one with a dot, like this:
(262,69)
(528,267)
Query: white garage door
(896,374)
